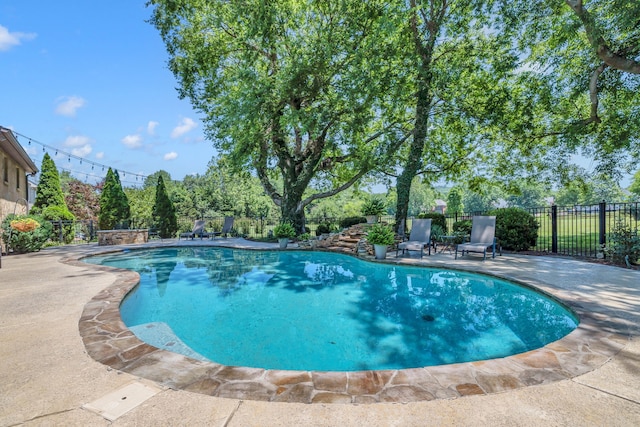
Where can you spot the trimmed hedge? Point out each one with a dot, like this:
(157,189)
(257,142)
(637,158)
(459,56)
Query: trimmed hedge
(436,219)
(352,220)
(516,229)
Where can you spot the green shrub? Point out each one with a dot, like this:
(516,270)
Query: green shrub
(623,241)
(461,230)
(304,236)
(462,226)
(324,228)
(352,220)
(38,231)
(437,232)
(57,213)
(380,234)
(436,219)
(516,229)
(242,227)
(284,230)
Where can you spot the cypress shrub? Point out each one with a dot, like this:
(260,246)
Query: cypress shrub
(164,213)
(49,192)
(114,204)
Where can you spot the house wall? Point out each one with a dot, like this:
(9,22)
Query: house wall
(13,188)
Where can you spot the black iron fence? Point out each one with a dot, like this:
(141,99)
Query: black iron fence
(580,231)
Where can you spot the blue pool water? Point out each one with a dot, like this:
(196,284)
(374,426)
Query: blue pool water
(302,310)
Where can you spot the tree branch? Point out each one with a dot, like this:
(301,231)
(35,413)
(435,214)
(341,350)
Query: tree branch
(593,94)
(600,46)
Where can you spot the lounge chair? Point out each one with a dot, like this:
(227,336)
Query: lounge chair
(419,237)
(483,237)
(226,228)
(198,230)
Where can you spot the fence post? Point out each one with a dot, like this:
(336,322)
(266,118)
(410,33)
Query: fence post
(554,229)
(60,234)
(602,211)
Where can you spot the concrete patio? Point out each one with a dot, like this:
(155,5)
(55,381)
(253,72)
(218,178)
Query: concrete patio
(50,376)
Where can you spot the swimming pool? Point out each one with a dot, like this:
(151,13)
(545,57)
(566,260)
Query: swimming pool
(323,311)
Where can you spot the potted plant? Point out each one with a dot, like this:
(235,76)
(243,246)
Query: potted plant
(380,236)
(372,209)
(283,232)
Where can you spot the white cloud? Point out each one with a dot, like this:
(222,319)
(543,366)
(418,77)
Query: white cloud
(81,145)
(9,40)
(151,127)
(132,141)
(68,105)
(83,151)
(185,126)
(171,156)
(76,141)
(100,155)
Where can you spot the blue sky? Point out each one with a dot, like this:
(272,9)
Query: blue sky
(90,78)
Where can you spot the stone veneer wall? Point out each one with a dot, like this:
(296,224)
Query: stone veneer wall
(122,237)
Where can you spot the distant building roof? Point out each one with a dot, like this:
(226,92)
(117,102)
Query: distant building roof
(10,145)
(440,202)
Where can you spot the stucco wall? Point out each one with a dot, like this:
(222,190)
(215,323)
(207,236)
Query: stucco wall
(11,174)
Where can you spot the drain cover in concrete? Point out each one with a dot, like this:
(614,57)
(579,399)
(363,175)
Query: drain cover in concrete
(121,401)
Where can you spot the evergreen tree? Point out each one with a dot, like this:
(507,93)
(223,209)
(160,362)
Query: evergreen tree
(49,192)
(164,214)
(123,201)
(114,205)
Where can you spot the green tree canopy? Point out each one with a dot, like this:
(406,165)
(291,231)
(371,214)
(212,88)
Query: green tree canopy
(581,62)
(454,200)
(288,88)
(634,188)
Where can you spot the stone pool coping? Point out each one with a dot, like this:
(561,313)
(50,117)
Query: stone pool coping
(599,336)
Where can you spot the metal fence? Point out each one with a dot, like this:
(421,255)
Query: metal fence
(580,231)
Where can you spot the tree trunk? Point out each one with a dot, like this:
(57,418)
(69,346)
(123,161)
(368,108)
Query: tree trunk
(291,208)
(416,150)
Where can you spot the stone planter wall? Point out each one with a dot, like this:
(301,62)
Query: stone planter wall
(122,237)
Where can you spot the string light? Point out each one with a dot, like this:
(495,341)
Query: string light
(81,160)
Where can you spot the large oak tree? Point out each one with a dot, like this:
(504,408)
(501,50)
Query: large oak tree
(301,92)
